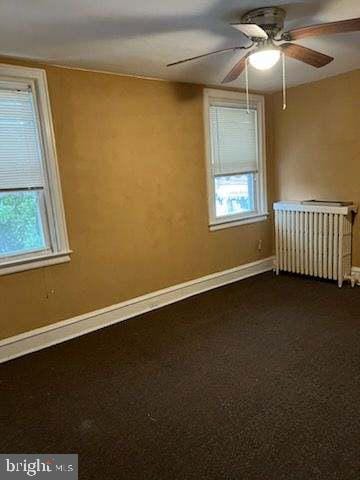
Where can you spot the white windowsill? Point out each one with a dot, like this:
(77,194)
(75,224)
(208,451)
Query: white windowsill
(39,261)
(239,221)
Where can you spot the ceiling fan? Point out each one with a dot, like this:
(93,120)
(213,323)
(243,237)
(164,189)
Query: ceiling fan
(264,28)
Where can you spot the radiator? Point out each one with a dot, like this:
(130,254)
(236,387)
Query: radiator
(314,240)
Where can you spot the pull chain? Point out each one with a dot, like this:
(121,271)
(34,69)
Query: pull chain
(284,81)
(247,86)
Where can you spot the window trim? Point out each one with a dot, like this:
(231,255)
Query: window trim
(233,98)
(60,250)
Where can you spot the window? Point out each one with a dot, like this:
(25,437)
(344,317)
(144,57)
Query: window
(32,224)
(235,158)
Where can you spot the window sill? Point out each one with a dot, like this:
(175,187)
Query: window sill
(239,221)
(34,262)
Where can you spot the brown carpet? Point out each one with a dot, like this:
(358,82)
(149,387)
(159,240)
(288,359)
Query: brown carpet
(256,380)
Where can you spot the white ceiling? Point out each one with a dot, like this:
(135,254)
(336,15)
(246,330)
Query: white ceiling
(140,37)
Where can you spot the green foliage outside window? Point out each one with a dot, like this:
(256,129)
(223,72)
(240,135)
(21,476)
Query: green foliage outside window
(20,223)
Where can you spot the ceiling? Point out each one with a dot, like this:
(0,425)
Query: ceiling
(139,37)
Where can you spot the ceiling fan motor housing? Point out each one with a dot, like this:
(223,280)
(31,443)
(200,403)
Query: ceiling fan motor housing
(270,19)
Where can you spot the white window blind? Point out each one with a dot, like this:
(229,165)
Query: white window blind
(20,152)
(234,140)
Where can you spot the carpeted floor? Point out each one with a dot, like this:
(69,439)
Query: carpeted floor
(256,380)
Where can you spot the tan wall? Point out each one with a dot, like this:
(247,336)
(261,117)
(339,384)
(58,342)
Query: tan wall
(131,158)
(317,143)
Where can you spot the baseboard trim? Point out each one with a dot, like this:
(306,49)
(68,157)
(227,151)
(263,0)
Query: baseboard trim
(40,338)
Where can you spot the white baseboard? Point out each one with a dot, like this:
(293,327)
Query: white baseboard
(74,327)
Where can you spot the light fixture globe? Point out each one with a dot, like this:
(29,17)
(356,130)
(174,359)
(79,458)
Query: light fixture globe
(265,58)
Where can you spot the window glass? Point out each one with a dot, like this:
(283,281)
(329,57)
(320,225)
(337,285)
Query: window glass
(20,223)
(234,194)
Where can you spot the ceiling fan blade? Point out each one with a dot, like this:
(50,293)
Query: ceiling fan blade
(251,30)
(352,25)
(237,69)
(204,55)
(306,55)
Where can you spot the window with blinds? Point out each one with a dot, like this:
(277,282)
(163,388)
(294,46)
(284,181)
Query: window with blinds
(23,226)
(234,133)
(29,204)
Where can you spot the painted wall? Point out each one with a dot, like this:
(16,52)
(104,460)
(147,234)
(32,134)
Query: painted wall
(317,143)
(131,159)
